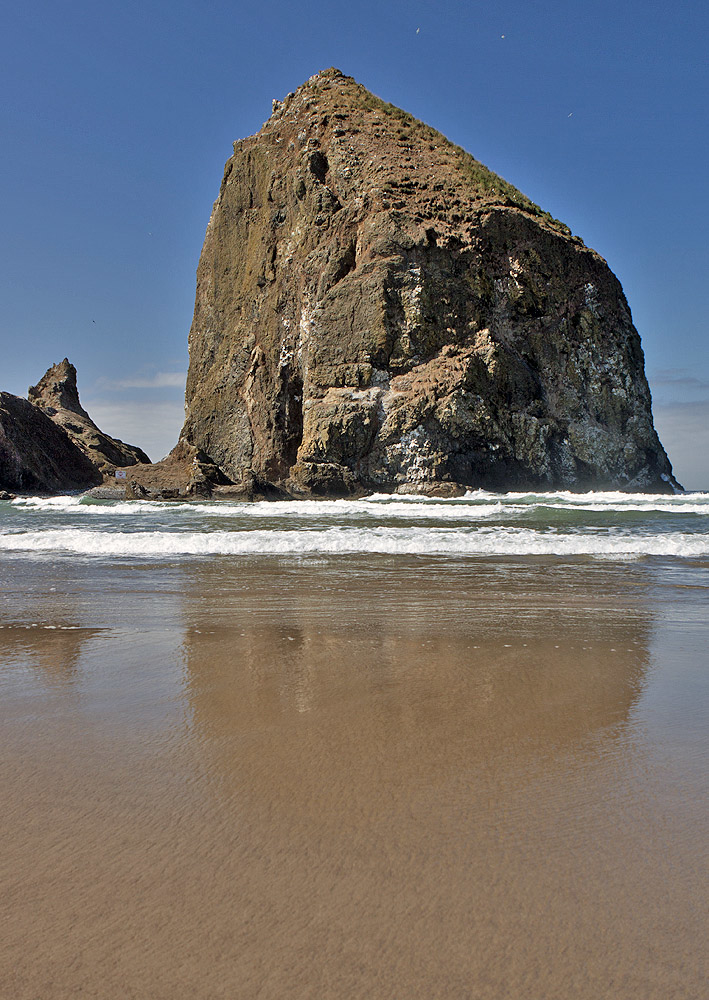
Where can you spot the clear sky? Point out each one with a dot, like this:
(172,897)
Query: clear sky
(116,120)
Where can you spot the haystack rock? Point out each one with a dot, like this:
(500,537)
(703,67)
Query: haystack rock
(57,394)
(36,455)
(376,310)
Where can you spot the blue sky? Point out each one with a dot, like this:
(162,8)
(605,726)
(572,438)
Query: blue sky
(116,120)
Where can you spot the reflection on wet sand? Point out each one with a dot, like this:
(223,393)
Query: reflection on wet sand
(405,657)
(52,649)
(46,618)
(428,780)
(402,705)
(375,779)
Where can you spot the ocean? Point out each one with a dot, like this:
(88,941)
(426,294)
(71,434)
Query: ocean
(385,747)
(478,525)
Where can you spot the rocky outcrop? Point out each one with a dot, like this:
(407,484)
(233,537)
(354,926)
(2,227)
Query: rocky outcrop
(186,472)
(376,310)
(36,455)
(58,396)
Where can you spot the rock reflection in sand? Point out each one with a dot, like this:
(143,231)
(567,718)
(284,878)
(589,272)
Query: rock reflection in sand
(394,678)
(54,649)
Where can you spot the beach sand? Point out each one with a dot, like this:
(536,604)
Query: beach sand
(364,777)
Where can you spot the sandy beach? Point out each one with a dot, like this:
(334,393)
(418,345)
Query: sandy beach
(356,777)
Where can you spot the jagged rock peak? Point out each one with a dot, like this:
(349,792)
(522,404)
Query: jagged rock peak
(57,395)
(57,390)
(376,310)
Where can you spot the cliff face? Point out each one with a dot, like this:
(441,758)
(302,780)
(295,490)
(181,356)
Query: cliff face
(377,311)
(35,454)
(57,394)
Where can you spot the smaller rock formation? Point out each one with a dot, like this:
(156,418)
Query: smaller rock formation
(37,455)
(56,393)
(186,472)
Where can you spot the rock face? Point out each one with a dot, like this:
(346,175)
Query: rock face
(376,310)
(36,455)
(56,393)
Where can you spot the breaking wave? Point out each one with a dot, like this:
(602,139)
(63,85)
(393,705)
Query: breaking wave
(609,525)
(474,505)
(442,541)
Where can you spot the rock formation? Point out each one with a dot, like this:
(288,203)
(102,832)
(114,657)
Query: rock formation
(57,394)
(36,455)
(376,310)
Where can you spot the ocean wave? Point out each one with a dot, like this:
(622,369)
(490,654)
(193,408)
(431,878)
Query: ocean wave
(477,505)
(595,496)
(439,541)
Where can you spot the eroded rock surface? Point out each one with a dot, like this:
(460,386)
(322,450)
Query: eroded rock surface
(186,472)
(36,455)
(57,395)
(375,310)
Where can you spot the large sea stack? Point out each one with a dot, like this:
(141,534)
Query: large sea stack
(376,310)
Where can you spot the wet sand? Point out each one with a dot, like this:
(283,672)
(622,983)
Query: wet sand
(357,778)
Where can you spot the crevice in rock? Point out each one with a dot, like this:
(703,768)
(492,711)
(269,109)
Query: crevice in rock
(346,263)
(225,179)
(287,423)
(318,165)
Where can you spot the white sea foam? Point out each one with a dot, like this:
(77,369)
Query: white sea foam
(50,628)
(498,541)
(648,508)
(479,524)
(597,496)
(305,510)
(477,505)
